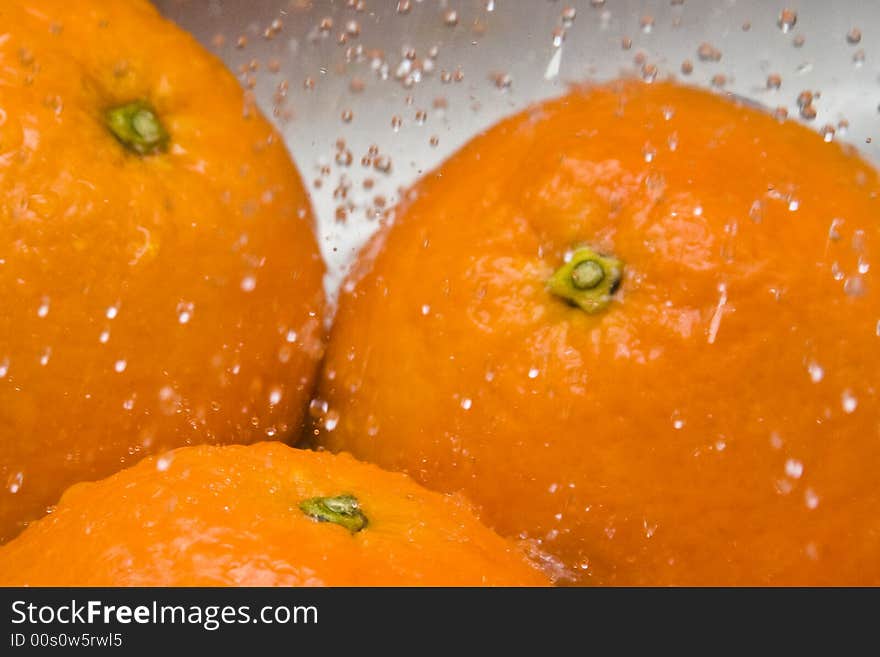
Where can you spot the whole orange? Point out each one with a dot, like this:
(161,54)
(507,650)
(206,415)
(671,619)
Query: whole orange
(159,275)
(259,515)
(637,325)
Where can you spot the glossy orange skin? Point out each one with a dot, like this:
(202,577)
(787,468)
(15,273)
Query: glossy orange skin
(147,301)
(678,437)
(229,516)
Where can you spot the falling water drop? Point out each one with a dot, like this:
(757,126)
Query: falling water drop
(794,468)
(848,401)
(854,36)
(787,20)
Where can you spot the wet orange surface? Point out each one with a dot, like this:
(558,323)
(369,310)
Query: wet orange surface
(149,300)
(716,423)
(207,516)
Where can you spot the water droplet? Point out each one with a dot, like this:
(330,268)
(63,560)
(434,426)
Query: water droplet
(708,53)
(854,286)
(794,468)
(248,283)
(466,403)
(164,462)
(848,401)
(687,67)
(854,36)
(533,373)
(787,20)
(450,18)
(274,396)
(646,23)
(756,211)
(718,80)
(784,486)
(185,311)
(404,6)
(808,112)
(816,371)
(501,81)
(4,362)
(318,408)
(834,229)
(352,28)
(776,441)
(568,16)
(169,400)
(112,311)
(774,81)
(43,310)
(331,419)
(120,366)
(811,499)
(14,482)
(382,163)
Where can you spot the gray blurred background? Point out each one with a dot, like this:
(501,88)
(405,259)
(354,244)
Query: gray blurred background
(369,94)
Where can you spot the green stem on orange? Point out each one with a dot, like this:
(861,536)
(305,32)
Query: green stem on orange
(137,127)
(343,510)
(588,281)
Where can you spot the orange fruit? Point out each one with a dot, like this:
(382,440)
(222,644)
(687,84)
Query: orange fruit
(252,516)
(160,279)
(692,399)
